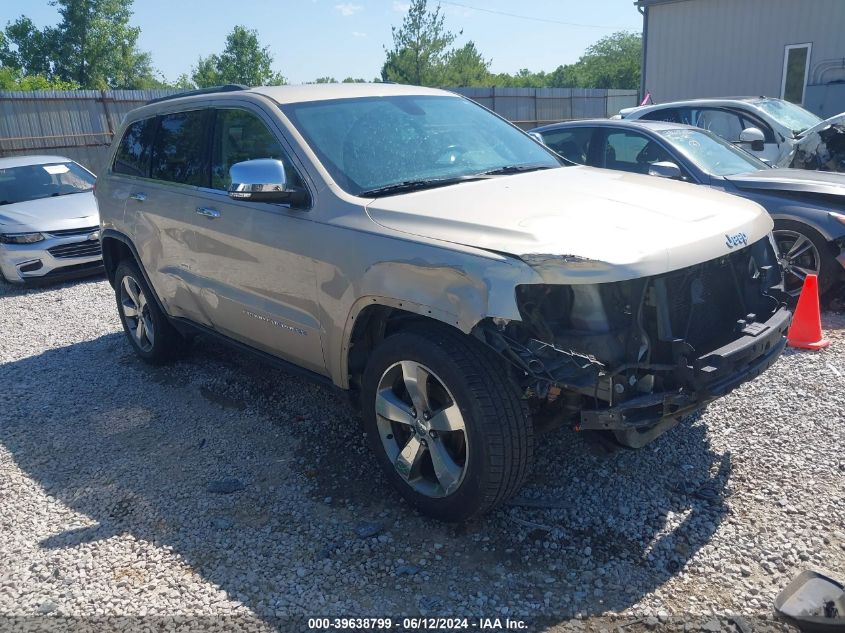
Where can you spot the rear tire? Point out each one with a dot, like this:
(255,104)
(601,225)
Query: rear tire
(470,448)
(149,331)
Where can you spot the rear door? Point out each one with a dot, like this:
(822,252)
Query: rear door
(160,204)
(154,165)
(249,262)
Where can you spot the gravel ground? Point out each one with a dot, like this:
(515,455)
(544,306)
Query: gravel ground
(218,486)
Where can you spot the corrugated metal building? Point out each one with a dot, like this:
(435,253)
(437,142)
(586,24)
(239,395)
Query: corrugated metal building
(793,49)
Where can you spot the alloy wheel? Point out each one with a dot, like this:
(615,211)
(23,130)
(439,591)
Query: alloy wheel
(136,313)
(798,257)
(422,429)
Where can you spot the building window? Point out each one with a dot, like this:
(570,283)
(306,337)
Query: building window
(796,66)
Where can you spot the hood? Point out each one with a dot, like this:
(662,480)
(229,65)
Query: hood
(582,224)
(838,119)
(800,180)
(71,211)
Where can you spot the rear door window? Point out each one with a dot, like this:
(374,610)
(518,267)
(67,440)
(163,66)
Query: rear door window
(133,154)
(239,135)
(573,143)
(179,150)
(672,115)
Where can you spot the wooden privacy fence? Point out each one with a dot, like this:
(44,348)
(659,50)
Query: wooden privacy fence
(80,124)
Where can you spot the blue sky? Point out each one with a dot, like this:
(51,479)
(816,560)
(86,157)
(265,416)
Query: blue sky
(341,38)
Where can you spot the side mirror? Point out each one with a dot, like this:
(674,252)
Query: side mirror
(665,169)
(537,137)
(264,180)
(755,137)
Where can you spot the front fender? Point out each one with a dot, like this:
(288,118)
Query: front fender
(460,293)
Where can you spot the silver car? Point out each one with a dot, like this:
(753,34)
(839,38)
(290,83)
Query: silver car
(49,225)
(777,131)
(455,275)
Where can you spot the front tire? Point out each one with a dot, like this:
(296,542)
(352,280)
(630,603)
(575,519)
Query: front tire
(149,332)
(802,250)
(446,423)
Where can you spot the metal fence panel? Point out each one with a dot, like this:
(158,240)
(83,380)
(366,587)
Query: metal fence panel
(530,107)
(78,124)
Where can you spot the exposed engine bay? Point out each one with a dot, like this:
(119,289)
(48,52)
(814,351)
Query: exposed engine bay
(823,150)
(629,354)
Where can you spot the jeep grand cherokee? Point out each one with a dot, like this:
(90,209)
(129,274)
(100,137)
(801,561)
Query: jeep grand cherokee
(459,278)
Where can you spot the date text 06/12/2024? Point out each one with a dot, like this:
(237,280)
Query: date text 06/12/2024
(417,624)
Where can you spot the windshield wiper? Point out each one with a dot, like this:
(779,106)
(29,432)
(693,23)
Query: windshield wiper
(431,183)
(515,169)
(408,186)
(67,193)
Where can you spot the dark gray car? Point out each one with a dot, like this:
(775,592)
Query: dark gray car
(808,207)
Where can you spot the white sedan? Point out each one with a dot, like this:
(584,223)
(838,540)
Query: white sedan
(49,224)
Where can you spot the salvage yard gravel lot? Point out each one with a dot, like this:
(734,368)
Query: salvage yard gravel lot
(221,486)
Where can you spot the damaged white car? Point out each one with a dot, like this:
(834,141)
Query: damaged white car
(455,275)
(779,132)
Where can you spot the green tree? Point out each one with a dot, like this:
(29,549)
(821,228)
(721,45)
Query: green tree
(183,82)
(93,46)
(354,80)
(612,62)
(563,76)
(31,54)
(243,61)
(523,78)
(465,66)
(12,79)
(325,80)
(419,47)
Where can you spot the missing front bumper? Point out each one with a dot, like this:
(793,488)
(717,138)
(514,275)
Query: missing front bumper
(710,376)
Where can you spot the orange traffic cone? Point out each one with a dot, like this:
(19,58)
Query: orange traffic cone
(806,329)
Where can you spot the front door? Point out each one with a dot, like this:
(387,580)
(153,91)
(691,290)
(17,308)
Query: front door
(249,261)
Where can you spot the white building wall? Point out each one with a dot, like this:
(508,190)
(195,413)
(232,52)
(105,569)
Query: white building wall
(718,48)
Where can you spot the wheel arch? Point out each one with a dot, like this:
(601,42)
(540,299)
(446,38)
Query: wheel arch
(118,246)
(374,318)
(817,219)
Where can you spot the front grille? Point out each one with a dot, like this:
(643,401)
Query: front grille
(89,248)
(71,232)
(704,303)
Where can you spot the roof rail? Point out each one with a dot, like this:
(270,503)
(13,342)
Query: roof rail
(201,91)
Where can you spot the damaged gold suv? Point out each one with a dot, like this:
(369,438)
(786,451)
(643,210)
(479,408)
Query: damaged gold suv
(460,279)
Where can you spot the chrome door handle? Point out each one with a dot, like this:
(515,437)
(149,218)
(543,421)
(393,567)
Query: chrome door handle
(140,197)
(209,213)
